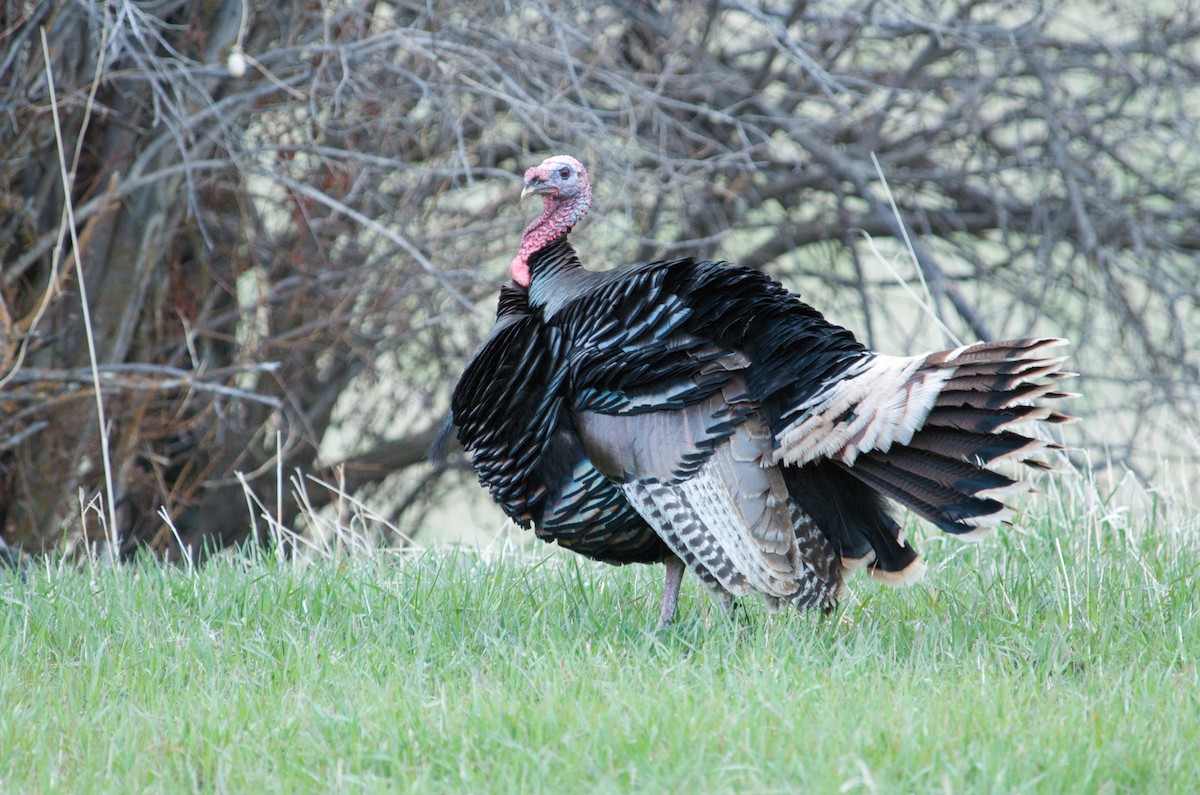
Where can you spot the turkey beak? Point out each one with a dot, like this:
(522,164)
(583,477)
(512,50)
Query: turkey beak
(534,185)
(537,180)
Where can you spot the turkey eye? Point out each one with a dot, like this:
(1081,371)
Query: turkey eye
(564,172)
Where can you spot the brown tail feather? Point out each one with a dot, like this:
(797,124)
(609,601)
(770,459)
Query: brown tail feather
(1007,374)
(958,476)
(1003,351)
(1024,394)
(950,510)
(979,448)
(985,420)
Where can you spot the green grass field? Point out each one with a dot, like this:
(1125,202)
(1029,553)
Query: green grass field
(1056,659)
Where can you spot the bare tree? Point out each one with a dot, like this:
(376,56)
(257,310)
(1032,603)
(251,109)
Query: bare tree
(291,218)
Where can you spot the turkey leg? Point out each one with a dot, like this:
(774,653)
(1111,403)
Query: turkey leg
(670,591)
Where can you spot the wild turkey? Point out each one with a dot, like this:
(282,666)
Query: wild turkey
(695,410)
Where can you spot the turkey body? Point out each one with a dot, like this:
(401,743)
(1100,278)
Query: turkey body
(697,411)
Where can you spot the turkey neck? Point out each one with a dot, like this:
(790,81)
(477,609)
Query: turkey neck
(557,277)
(556,220)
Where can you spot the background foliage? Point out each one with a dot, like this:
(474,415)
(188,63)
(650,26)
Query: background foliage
(286,266)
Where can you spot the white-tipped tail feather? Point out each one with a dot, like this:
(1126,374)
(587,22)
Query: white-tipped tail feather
(878,402)
(931,451)
(884,400)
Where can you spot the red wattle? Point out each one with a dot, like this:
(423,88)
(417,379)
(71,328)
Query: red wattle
(518,269)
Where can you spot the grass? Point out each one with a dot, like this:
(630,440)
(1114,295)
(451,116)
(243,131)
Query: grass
(1058,659)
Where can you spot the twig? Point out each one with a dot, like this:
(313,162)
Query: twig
(370,223)
(931,307)
(69,218)
(121,376)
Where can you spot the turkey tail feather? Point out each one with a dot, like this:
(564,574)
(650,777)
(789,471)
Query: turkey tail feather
(942,472)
